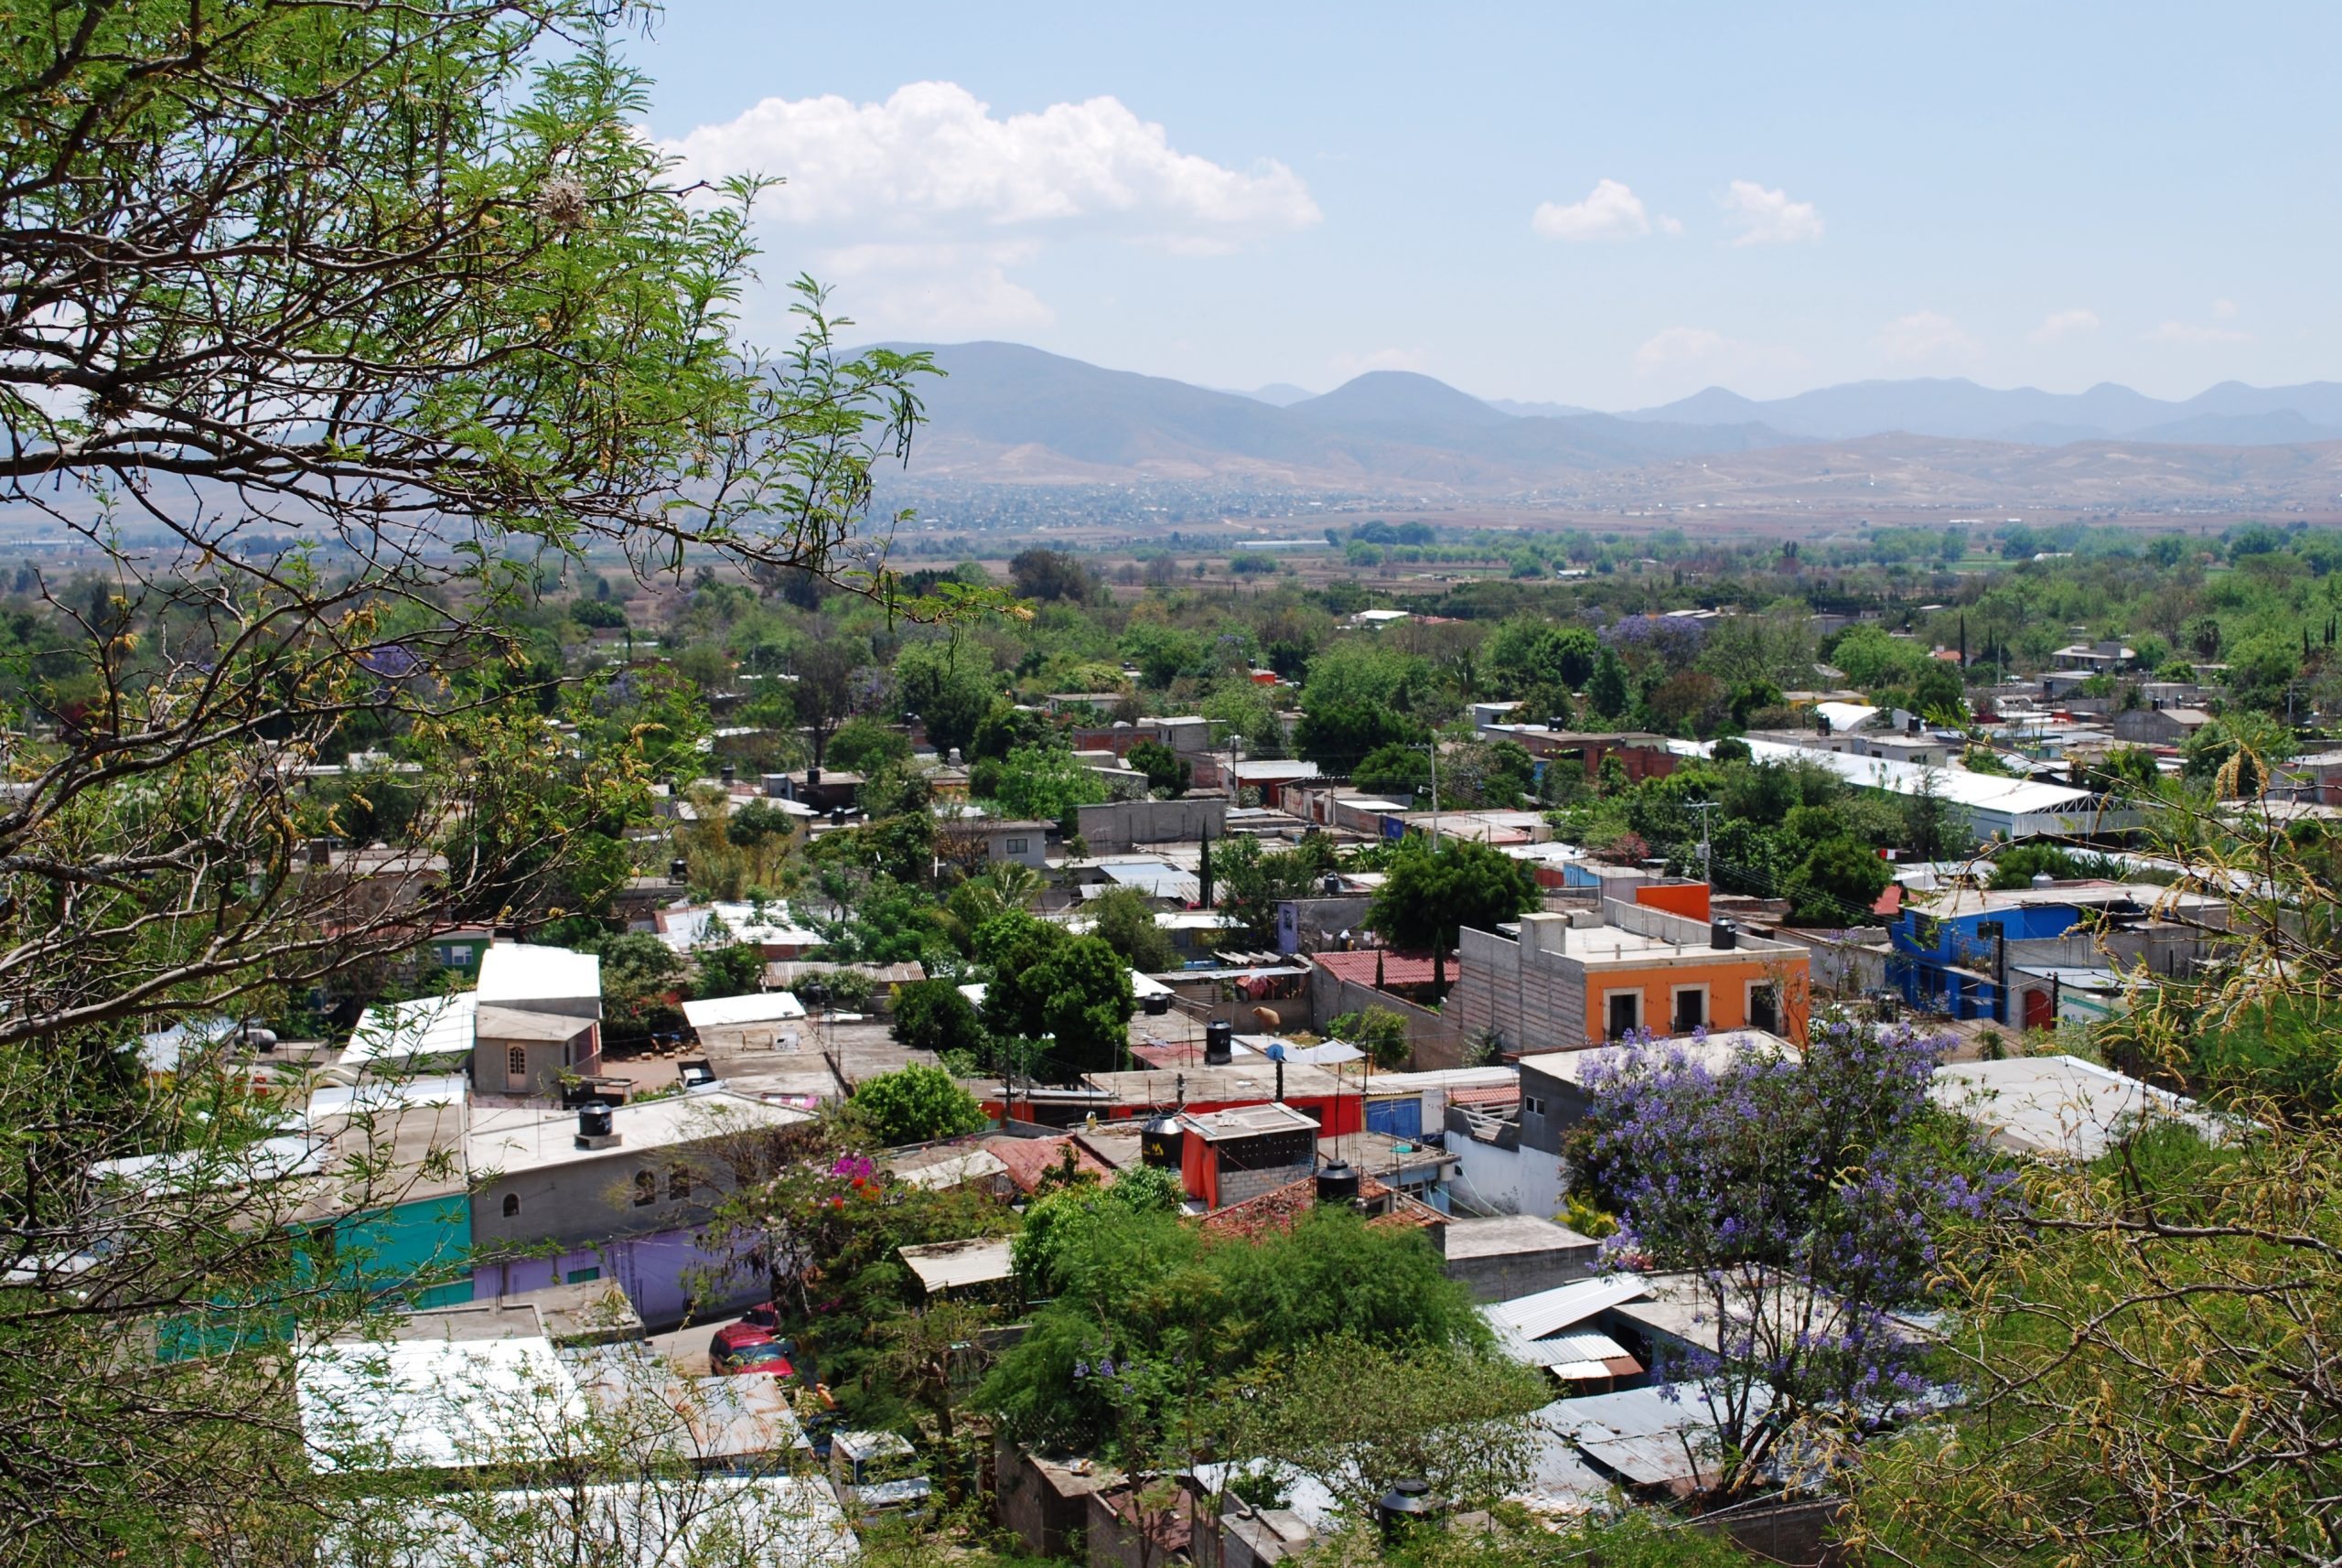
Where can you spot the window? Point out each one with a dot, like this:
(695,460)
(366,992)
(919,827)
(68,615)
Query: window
(511,1206)
(1532,1103)
(1013,846)
(1691,1008)
(1764,1007)
(679,1184)
(516,1061)
(646,1189)
(580,1276)
(1624,1013)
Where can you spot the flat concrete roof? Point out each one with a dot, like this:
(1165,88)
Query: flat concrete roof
(513,973)
(2059,1108)
(1717,1051)
(1509,1236)
(508,1139)
(954,1265)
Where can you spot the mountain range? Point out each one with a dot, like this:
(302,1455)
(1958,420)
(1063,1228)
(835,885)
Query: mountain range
(1004,412)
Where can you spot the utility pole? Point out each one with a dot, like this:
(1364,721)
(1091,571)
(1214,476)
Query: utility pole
(1707,868)
(1434,792)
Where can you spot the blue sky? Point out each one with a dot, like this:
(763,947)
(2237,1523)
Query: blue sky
(2051,195)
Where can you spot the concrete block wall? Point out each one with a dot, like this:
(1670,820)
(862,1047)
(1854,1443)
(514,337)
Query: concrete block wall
(1534,1000)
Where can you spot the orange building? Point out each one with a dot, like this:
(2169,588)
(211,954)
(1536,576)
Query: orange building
(1573,980)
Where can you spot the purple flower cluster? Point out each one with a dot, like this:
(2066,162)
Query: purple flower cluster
(1674,639)
(1802,1197)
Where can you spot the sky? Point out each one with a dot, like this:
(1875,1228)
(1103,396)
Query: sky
(1609,206)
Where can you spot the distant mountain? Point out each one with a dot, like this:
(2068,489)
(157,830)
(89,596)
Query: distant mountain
(1398,399)
(1280,394)
(1004,412)
(2227,415)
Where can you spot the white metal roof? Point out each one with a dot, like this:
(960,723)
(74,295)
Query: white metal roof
(949,1265)
(2057,1107)
(402,1031)
(1977,792)
(515,973)
(766,1007)
(1584,1354)
(783,1521)
(435,1404)
(1533,1317)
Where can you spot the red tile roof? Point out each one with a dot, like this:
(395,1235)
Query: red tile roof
(1398,969)
(1280,1209)
(1029,1159)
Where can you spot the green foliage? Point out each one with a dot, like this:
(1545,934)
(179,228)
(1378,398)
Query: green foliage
(1047,983)
(1162,766)
(1250,882)
(1061,1227)
(949,687)
(753,821)
(916,1104)
(866,746)
(1606,689)
(731,969)
(1836,885)
(1124,921)
(1045,783)
(1394,772)
(2018,864)
(1177,1315)
(932,1016)
(1379,1031)
(1429,895)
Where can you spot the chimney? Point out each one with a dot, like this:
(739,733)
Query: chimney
(1219,1043)
(593,1127)
(1337,1185)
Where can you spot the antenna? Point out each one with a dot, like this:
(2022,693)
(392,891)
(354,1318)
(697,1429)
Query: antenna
(1707,873)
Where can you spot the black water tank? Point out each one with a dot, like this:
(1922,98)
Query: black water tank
(812,778)
(1157,1003)
(725,773)
(1409,1502)
(595,1129)
(1722,935)
(678,870)
(1338,1183)
(1162,1143)
(1219,1043)
(1557,723)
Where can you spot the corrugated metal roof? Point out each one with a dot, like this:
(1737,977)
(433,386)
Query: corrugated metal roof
(1533,1317)
(1586,1355)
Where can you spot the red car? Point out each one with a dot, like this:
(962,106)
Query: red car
(742,1353)
(764,1315)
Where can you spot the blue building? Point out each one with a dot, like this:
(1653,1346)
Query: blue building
(1959,964)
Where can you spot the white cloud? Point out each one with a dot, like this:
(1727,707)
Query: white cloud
(2192,335)
(913,290)
(1924,335)
(1769,216)
(1610,211)
(2223,309)
(1348,365)
(2060,324)
(1670,227)
(934,152)
(1711,353)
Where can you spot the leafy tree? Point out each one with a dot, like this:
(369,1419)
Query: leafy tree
(1338,735)
(1836,885)
(932,1016)
(730,968)
(1250,882)
(1606,691)
(640,975)
(950,688)
(1061,1226)
(1803,1201)
(1394,772)
(753,821)
(1007,728)
(916,1104)
(1429,895)
(1049,574)
(825,693)
(864,746)
(1379,1031)
(1124,920)
(1046,983)
(2018,864)
(1045,783)
(1162,766)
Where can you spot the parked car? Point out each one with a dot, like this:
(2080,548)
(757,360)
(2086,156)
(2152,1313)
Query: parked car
(765,1355)
(763,1315)
(733,1336)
